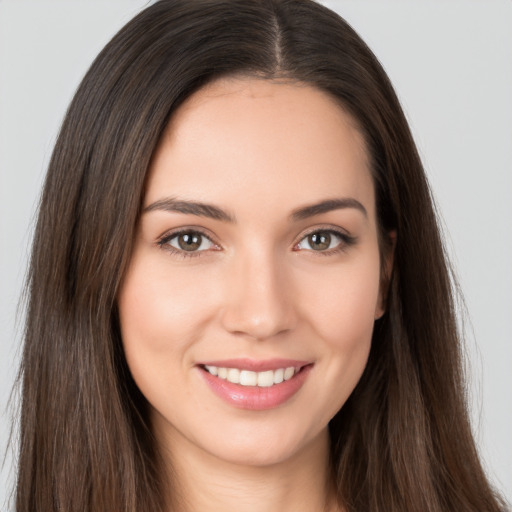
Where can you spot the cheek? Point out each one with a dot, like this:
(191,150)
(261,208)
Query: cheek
(158,307)
(342,314)
(161,317)
(341,304)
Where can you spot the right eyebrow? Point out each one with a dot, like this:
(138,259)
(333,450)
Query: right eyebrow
(170,204)
(327,206)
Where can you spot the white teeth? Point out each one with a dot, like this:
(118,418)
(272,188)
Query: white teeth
(248,378)
(264,379)
(212,369)
(233,375)
(279,376)
(289,373)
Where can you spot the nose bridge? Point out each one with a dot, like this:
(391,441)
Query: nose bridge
(258,299)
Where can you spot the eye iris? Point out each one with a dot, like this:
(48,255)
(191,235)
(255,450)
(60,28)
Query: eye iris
(319,241)
(189,241)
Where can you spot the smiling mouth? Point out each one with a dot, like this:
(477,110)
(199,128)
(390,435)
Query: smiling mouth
(265,379)
(255,385)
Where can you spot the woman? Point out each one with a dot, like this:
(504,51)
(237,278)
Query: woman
(238,290)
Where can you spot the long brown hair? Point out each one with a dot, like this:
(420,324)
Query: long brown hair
(402,441)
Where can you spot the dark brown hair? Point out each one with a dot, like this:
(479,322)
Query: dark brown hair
(402,442)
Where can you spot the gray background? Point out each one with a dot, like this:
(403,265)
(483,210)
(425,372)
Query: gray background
(451,63)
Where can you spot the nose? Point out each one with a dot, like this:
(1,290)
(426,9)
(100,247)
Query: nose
(258,300)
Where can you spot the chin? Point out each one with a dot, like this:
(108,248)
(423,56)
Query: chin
(265,446)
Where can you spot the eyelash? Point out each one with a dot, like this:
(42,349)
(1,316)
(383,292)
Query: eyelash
(346,242)
(163,242)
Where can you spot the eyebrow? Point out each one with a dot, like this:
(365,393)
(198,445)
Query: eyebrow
(326,206)
(200,209)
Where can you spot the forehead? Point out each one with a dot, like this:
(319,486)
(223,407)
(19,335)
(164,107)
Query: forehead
(285,143)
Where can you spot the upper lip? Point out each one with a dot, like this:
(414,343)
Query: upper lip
(256,365)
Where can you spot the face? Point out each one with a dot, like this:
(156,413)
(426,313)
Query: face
(248,307)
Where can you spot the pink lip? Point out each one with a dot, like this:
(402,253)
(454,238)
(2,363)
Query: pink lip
(253,397)
(256,366)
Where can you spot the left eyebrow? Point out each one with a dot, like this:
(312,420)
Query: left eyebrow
(326,206)
(170,204)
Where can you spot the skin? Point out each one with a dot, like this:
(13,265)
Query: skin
(259,150)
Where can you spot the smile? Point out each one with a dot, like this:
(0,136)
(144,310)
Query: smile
(255,385)
(264,379)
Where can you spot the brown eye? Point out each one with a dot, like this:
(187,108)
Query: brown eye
(190,241)
(325,240)
(319,241)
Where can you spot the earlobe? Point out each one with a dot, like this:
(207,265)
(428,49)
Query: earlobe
(388,257)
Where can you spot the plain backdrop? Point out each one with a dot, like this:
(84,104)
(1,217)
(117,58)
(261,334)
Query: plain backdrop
(451,64)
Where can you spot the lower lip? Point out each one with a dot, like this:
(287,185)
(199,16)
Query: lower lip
(253,397)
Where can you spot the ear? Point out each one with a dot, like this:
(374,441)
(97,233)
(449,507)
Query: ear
(388,257)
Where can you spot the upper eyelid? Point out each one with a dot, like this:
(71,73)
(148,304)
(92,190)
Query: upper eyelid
(329,228)
(167,235)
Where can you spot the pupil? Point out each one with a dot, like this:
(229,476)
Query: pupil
(189,242)
(320,242)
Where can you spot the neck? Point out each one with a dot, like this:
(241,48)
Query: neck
(206,483)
